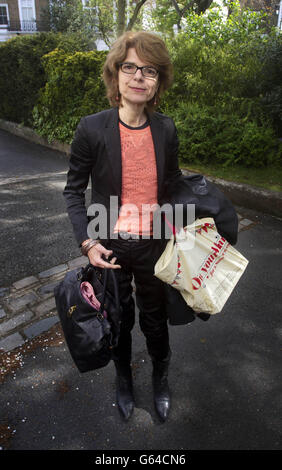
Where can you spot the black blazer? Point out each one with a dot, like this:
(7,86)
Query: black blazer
(96,153)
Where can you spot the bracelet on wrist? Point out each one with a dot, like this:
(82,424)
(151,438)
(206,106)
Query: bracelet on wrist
(86,247)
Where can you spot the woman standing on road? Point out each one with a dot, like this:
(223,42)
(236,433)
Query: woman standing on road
(130,151)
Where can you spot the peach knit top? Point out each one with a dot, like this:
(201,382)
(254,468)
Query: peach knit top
(139,180)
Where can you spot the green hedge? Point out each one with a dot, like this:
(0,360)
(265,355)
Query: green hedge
(74,88)
(226,99)
(208,134)
(271,84)
(22,73)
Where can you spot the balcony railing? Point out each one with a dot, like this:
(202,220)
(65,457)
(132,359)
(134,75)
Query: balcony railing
(27,26)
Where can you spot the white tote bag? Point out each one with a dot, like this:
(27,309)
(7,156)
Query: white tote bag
(202,265)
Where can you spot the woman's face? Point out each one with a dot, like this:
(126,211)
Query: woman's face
(135,88)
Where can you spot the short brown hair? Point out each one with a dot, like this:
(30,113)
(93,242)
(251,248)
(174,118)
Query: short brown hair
(151,49)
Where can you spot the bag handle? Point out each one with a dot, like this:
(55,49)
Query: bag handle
(116,290)
(105,282)
(113,342)
(172,227)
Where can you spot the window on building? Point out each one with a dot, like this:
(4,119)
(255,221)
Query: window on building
(27,15)
(3,15)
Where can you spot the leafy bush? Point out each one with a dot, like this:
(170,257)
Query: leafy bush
(215,57)
(210,135)
(22,74)
(74,88)
(228,75)
(271,82)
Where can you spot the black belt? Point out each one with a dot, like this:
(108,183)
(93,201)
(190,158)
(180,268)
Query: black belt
(132,237)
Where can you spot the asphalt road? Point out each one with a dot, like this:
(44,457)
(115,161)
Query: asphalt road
(225,373)
(35,230)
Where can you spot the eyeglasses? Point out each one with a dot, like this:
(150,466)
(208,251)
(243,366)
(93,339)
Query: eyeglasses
(147,70)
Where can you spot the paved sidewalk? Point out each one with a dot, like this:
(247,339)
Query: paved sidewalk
(27,308)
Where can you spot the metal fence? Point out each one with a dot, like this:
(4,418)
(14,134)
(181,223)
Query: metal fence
(28,26)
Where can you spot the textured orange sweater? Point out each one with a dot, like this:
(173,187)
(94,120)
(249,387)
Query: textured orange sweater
(139,181)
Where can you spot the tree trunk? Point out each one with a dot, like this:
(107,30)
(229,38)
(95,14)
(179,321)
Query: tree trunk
(202,5)
(121,5)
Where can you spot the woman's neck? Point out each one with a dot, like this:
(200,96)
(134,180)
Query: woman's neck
(133,116)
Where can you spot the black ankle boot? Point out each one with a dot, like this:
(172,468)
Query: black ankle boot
(161,389)
(124,390)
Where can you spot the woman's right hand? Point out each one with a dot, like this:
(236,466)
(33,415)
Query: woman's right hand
(95,257)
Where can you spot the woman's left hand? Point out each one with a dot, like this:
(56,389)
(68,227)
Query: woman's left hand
(95,257)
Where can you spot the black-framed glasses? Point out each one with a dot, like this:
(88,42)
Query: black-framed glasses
(147,70)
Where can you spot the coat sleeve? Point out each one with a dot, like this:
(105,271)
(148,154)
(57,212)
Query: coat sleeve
(81,162)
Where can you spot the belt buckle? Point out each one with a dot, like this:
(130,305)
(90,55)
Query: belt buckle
(133,237)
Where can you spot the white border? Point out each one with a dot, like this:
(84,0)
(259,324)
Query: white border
(279,20)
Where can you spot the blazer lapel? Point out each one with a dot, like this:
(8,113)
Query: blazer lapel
(158,135)
(112,141)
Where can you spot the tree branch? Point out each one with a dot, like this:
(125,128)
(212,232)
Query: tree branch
(180,12)
(103,30)
(175,4)
(186,8)
(135,14)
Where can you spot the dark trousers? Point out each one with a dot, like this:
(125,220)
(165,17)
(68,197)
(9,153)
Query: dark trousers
(137,259)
